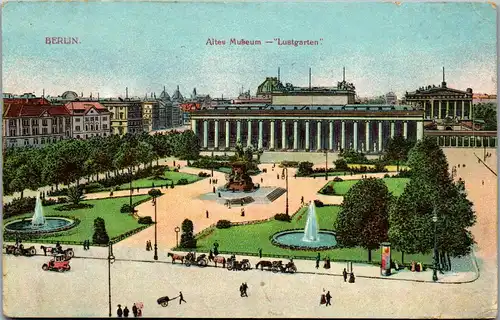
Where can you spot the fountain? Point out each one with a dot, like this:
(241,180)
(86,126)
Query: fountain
(39,223)
(311,238)
(311,229)
(38,220)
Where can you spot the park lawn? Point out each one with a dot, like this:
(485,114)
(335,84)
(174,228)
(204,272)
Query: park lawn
(330,174)
(176,176)
(390,168)
(395,185)
(247,239)
(117,223)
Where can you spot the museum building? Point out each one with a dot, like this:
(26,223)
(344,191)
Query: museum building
(305,119)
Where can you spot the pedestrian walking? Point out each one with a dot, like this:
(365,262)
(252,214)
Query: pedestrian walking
(134,310)
(482,181)
(213,189)
(344,274)
(318,258)
(181,298)
(147,245)
(119,312)
(219,194)
(125,312)
(260,252)
(242,212)
(209,181)
(328,298)
(278,176)
(207,214)
(302,200)
(174,163)
(261,180)
(323,298)
(84,244)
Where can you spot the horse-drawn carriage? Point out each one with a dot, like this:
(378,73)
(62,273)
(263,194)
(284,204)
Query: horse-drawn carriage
(20,250)
(201,260)
(233,264)
(288,268)
(68,253)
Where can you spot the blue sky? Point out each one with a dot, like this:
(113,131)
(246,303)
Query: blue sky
(145,46)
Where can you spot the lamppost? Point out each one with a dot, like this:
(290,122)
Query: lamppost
(156,224)
(326,164)
(284,176)
(111,259)
(177,229)
(434,271)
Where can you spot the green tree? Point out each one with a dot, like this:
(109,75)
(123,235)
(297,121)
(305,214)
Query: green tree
(488,113)
(187,237)
(397,150)
(431,191)
(187,146)
(363,220)
(128,157)
(305,169)
(75,195)
(100,234)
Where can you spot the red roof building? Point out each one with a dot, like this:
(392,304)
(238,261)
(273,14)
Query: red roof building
(89,119)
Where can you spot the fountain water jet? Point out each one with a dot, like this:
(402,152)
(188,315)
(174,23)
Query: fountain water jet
(38,219)
(311,229)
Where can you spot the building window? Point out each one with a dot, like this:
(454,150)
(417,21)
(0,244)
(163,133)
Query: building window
(91,127)
(26,142)
(45,131)
(35,141)
(86,127)
(43,141)
(12,132)
(121,116)
(34,122)
(78,136)
(104,127)
(12,122)
(44,122)
(26,122)
(77,128)
(104,118)
(77,120)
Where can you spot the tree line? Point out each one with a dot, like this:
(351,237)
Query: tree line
(371,215)
(68,161)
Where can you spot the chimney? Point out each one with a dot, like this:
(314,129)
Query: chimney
(98,96)
(126,92)
(43,94)
(343,74)
(309,78)
(278,73)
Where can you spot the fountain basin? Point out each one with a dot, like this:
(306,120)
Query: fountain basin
(293,239)
(52,224)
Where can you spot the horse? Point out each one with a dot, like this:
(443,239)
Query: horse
(48,249)
(263,264)
(176,257)
(218,259)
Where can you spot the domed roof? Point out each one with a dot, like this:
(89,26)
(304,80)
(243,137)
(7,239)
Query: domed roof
(70,95)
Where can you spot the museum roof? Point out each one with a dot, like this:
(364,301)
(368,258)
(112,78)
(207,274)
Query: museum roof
(27,110)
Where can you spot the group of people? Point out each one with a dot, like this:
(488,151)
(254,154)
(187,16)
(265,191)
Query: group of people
(212,181)
(326,298)
(86,244)
(149,246)
(416,266)
(136,311)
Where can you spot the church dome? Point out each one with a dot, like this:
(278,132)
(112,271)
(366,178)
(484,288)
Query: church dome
(69,95)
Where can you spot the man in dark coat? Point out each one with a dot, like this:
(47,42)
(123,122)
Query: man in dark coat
(318,258)
(328,298)
(125,312)
(134,310)
(352,278)
(119,312)
(344,273)
(260,253)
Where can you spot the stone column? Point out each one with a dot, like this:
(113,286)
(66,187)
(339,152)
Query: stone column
(205,134)
(393,128)
(432,109)
(330,135)
(405,130)
(193,125)
(463,109)
(318,135)
(307,135)
(216,137)
(249,136)
(227,134)
(463,140)
(439,111)
(420,130)
(238,132)
(295,134)
(355,136)
(271,129)
(447,107)
(454,108)
(342,139)
(488,145)
(259,144)
(380,136)
(367,136)
(283,135)
(470,144)
(470,111)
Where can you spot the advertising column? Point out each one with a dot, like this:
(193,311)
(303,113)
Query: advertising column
(385,261)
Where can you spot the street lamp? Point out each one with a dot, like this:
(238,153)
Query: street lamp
(285,176)
(156,229)
(111,259)
(434,271)
(326,164)
(177,229)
